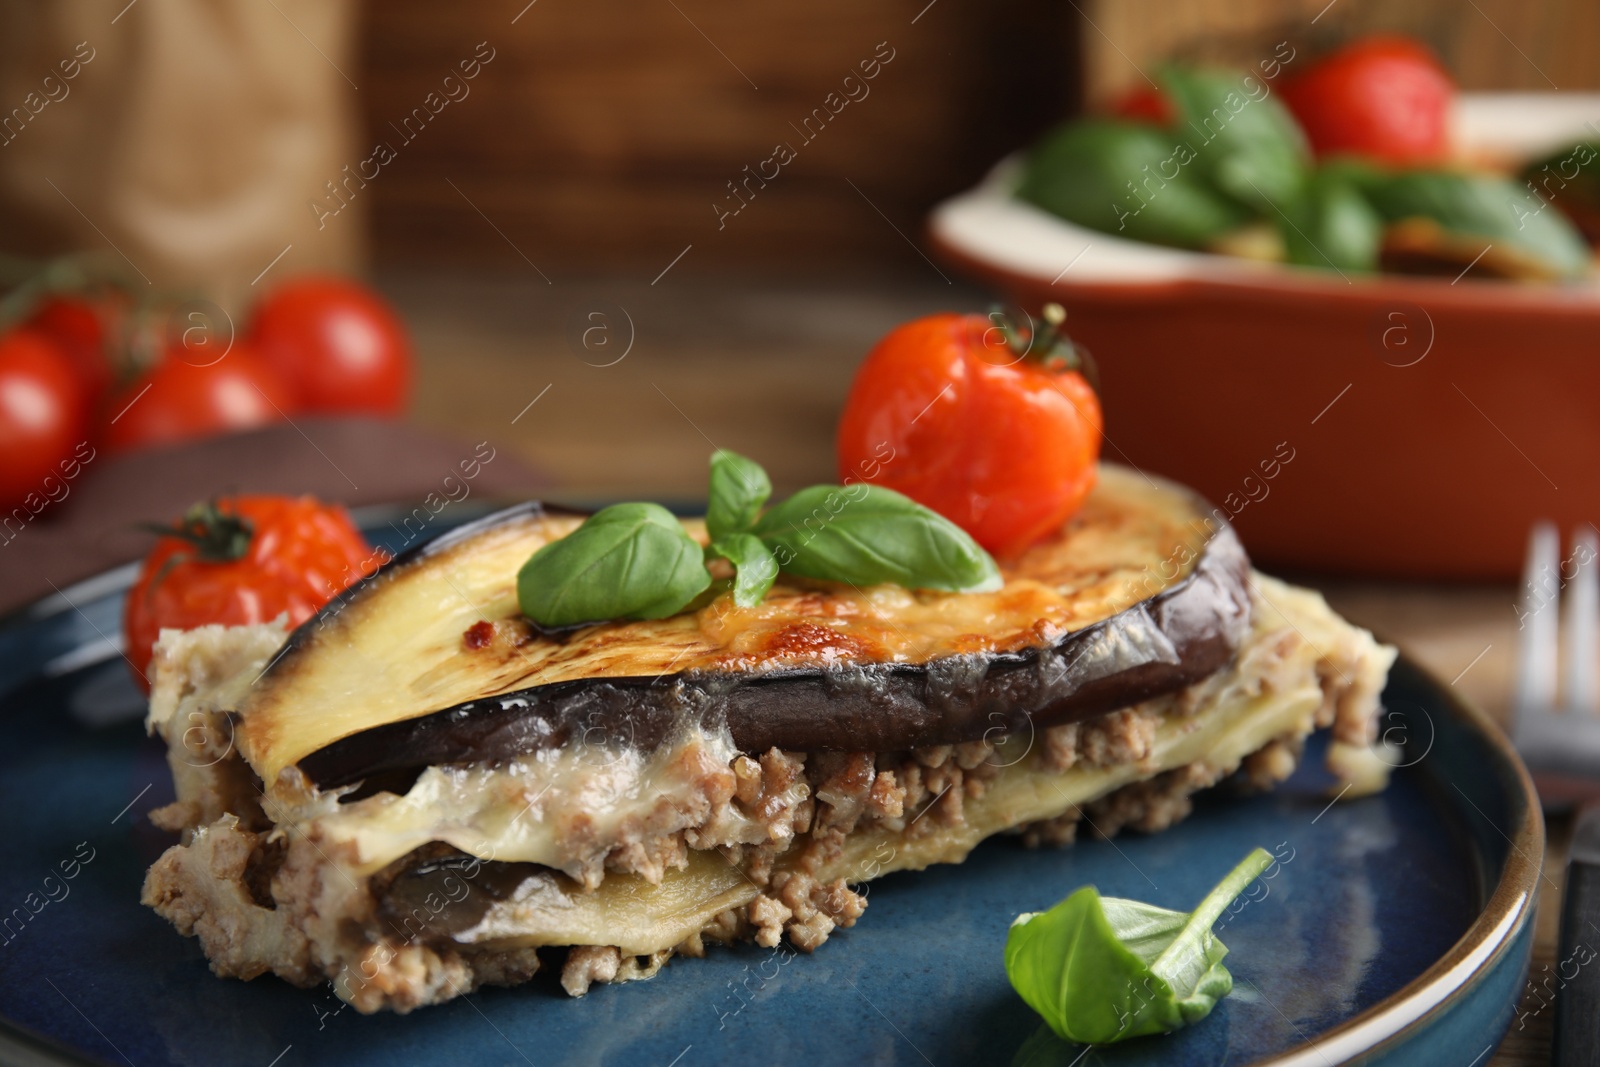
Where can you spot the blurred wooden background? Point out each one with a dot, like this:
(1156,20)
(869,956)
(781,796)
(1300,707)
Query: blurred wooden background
(602,134)
(1487,44)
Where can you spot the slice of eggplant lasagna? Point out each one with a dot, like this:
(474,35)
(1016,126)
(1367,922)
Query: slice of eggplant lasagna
(416,792)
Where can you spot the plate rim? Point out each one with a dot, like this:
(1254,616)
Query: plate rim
(1390,1022)
(1505,916)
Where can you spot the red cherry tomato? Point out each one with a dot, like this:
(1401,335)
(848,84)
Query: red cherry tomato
(1145,103)
(78,327)
(243,560)
(1382,97)
(340,346)
(42,418)
(177,400)
(944,411)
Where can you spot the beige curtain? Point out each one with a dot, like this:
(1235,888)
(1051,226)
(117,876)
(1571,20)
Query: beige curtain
(185,138)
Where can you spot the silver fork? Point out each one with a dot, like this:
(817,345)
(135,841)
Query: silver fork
(1558,735)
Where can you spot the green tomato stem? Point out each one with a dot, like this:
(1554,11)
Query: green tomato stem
(1192,937)
(1047,344)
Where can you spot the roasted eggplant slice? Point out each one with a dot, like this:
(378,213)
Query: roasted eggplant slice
(429,661)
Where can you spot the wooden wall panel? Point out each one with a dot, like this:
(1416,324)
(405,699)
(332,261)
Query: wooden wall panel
(602,133)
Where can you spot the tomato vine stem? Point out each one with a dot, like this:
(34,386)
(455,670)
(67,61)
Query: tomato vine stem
(1047,345)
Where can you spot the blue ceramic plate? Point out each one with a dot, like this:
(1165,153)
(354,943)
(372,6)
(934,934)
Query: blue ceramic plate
(1397,930)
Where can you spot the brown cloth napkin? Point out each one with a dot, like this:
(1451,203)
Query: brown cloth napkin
(352,461)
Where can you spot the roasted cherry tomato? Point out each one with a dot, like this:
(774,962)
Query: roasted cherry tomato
(340,346)
(1145,103)
(178,400)
(239,560)
(1382,97)
(994,428)
(42,418)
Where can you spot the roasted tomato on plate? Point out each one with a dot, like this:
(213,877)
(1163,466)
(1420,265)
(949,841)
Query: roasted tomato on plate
(991,424)
(240,560)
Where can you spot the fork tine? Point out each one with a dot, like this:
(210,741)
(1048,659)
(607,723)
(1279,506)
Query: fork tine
(1581,626)
(1535,692)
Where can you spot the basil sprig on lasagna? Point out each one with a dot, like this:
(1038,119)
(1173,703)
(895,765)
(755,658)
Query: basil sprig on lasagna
(636,561)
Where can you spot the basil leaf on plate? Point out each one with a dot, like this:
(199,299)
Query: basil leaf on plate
(627,561)
(1101,970)
(866,534)
(755,568)
(1246,143)
(1486,208)
(1130,179)
(738,489)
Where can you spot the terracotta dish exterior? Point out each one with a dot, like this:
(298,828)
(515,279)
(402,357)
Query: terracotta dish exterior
(1379,425)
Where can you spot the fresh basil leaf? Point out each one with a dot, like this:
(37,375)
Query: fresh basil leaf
(1332,224)
(738,489)
(1246,144)
(865,534)
(1487,208)
(627,561)
(1191,962)
(1100,970)
(754,566)
(1129,179)
(1070,967)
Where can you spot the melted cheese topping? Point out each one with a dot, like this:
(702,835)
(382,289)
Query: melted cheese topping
(400,648)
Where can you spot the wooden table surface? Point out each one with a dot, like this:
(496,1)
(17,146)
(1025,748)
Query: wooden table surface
(762,366)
